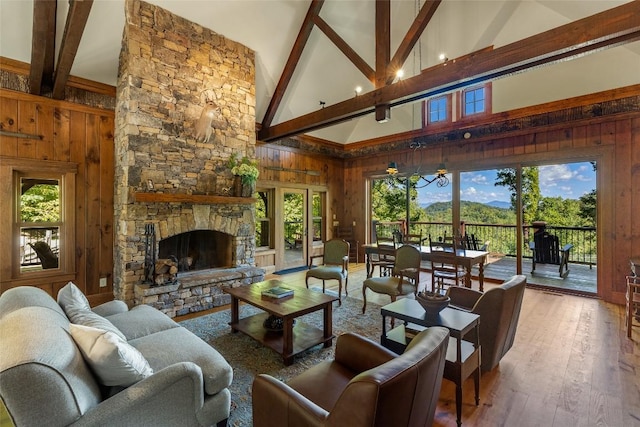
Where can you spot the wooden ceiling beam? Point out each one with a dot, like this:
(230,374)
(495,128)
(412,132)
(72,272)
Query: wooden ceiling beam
(292,61)
(383,41)
(607,29)
(76,21)
(43,47)
(427,11)
(383,55)
(351,54)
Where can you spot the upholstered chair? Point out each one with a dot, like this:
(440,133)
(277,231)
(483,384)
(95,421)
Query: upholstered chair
(499,310)
(335,265)
(366,385)
(404,280)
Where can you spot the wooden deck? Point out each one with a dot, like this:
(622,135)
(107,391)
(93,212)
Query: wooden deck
(581,279)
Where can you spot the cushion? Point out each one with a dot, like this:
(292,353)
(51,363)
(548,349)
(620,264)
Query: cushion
(180,345)
(77,308)
(91,319)
(69,295)
(115,362)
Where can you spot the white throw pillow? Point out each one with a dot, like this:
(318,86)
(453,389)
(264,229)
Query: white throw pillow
(114,361)
(93,320)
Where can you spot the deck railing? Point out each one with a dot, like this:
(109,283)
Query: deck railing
(502,238)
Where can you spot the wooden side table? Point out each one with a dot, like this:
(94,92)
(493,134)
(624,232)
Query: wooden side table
(463,357)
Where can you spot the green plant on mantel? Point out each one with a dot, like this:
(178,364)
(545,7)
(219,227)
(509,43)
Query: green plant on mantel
(245,168)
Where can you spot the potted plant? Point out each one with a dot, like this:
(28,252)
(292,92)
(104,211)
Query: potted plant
(246,173)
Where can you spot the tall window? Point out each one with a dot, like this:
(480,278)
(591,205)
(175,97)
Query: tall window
(264,208)
(474,101)
(318,217)
(39,222)
(38,235)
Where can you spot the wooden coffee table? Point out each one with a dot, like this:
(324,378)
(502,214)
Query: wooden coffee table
(293,339)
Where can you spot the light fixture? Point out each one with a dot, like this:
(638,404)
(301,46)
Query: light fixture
(443,57)
(392,169)
(440,179)
(358,90)
(400,73)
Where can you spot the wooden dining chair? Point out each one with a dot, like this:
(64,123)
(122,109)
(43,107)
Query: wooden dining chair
(414,239)
(445,269)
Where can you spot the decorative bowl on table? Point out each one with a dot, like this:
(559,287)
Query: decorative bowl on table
(432,302)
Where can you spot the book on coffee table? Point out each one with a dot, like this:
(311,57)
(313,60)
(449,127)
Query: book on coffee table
(277,292)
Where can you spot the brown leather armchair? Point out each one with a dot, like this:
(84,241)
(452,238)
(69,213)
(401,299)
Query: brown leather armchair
(365,385)
(499,310)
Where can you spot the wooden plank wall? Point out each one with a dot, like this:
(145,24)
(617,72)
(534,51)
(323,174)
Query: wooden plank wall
(329,180)
(613,142)
(81,135)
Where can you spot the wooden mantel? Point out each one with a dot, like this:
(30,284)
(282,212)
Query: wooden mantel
(190,198)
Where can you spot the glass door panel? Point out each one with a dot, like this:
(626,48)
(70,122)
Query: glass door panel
(295,228)
(488,218)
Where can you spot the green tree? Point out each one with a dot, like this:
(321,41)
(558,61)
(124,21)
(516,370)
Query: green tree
(530,190)
(388,201)
(41,203)
(588,207)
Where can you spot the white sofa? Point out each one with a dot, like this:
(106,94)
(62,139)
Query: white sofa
(45,379)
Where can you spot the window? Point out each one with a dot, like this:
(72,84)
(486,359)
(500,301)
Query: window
(437,109)
(264,213)
(39,234)
(318,217)
(473,101)
(39,222)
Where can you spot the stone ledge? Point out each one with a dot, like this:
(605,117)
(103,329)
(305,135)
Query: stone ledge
(197,291)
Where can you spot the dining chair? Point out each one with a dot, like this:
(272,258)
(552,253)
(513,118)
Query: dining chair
(633,303)
(387,241)
(445,268)
(335,266)
(404,280)
(412,239)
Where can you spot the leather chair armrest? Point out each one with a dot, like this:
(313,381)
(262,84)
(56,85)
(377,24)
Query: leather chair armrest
(360,354)
(275,404)
(463,297)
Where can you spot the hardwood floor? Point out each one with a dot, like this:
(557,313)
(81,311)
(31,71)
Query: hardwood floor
(571,365)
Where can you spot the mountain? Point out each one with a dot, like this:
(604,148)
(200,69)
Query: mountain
(471,212)
(499,204)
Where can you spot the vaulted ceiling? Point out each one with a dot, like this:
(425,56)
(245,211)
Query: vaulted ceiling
(312,54)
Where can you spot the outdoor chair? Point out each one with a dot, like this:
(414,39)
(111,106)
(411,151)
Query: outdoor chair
(335,266)
(546,250)
(47,258)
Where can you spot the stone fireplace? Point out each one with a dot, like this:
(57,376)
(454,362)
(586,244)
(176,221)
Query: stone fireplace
(197,250)
(167,178)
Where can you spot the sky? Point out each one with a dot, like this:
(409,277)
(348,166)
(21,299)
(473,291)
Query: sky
(569,181)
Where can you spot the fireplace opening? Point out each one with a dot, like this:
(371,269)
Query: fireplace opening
(198,250)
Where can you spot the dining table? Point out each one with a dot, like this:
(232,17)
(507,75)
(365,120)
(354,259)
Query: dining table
(465,257)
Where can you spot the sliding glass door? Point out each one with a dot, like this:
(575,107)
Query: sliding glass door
(295,228)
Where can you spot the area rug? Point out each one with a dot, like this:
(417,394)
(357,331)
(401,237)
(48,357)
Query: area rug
(249,358)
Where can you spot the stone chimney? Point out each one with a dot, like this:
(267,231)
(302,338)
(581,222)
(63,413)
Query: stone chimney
(170,70)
